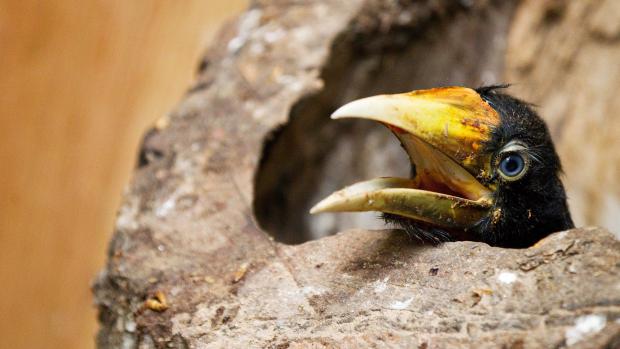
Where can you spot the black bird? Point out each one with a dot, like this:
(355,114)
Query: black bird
(484,168)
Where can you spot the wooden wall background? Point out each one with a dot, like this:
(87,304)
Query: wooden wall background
(79,83)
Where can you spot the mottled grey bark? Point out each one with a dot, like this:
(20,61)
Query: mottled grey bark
(250,148)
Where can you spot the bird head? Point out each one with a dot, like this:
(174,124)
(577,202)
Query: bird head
(484,168)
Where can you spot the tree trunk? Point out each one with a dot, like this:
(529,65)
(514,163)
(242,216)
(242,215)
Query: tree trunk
(250,148)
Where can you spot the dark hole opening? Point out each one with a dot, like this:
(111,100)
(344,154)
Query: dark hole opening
(312,156)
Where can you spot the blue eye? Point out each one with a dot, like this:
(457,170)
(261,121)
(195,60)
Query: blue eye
(512,166)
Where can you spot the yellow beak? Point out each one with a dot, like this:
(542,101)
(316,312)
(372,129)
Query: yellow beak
(444,131)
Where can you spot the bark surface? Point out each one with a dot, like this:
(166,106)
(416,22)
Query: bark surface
(199,256)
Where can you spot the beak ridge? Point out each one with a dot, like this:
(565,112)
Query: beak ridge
(455,120)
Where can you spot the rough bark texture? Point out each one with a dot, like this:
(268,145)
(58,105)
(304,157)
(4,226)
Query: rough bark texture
(563,56)
(250,146)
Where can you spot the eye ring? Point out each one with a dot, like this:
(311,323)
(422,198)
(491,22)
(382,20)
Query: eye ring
(512,165)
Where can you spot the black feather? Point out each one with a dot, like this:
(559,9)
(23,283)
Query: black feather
(425,233)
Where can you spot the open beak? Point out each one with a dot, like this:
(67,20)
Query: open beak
(443,131)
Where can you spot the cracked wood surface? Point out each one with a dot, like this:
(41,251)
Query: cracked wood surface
(189,266)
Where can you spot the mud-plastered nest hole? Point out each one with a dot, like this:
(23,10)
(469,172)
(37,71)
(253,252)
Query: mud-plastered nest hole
(311,156)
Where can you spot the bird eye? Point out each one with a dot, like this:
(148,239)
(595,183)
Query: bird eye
(512,166)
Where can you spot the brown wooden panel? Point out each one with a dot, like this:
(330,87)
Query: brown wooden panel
(79,82)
